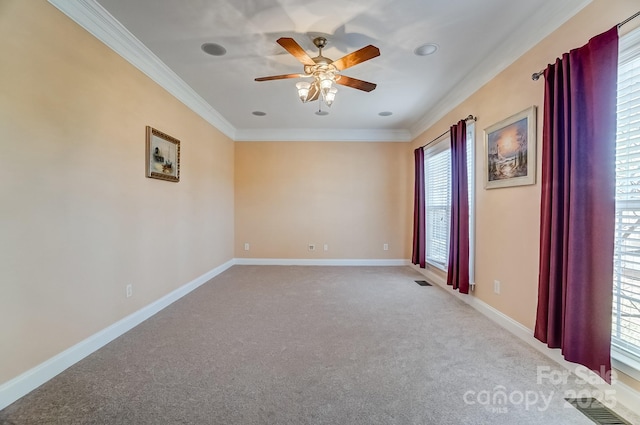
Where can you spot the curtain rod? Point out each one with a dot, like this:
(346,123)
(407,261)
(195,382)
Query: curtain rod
(469,118)
(536,75)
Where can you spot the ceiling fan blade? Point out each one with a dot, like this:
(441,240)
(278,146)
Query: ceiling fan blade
(279,77)
(294,48)
(355,83)
(359,56)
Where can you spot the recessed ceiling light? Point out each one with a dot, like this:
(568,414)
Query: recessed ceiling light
(213,49)
(322,113)
(385,113)
(426,49)
(259,113)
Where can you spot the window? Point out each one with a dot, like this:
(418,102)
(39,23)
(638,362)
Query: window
(437,170)
(437,186)
(626,279)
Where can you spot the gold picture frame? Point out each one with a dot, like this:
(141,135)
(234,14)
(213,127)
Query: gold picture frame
(510,151)
(163,156)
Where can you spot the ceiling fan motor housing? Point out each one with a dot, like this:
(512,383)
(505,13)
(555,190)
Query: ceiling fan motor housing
(320,42)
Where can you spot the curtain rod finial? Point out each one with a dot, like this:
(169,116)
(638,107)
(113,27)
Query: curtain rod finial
(535,76)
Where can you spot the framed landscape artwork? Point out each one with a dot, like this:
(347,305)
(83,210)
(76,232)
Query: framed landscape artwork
(163,156)
(510,151)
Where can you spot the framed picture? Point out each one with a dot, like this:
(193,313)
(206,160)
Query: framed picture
(510,151)
(163,156)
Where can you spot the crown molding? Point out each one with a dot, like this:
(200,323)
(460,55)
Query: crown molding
(322,134)
(503,56)
(91,16)
(97,21)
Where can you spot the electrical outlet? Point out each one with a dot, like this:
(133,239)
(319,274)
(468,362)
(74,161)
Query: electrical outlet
(129,289)
(246,246)
(385,247)
(496,286)
(326,247)
(312,247)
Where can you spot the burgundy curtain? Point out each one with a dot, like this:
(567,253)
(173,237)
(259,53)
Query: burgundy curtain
(578,205)
(419,246)
(458,269)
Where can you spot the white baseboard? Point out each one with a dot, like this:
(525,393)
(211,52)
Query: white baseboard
(624,394)
(33,378)
(23,384)
(317,262)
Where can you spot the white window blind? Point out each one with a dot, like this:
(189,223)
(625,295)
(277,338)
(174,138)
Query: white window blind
(626,279)
(437,170)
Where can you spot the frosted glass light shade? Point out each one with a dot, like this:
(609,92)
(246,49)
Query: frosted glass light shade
(330,96)
(303,90)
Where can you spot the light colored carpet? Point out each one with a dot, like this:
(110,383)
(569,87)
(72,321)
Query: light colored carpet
(307,345)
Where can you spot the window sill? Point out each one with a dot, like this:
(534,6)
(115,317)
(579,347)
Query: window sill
(437,266)
(625,363)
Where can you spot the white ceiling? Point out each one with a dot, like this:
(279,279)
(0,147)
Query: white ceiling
(476,39)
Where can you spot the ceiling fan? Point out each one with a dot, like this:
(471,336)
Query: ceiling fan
(324,71)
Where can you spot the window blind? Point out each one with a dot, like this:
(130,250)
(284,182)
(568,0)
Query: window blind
(626,280)
(437,170)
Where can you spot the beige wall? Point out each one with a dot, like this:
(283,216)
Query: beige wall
(351,196)
(78,218)
(508,219)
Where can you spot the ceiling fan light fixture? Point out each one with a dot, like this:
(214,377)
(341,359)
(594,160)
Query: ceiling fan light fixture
(330,96)
(326,80)
(303,90)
